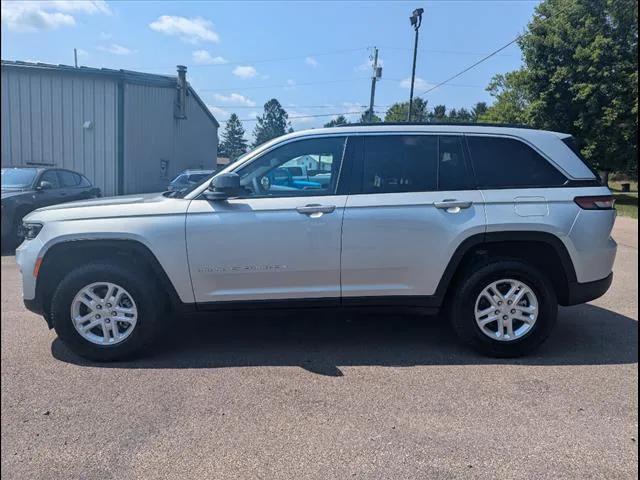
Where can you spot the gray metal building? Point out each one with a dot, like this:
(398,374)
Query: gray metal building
(128,132)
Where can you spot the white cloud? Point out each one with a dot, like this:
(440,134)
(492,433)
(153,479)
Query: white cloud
(204,58)
(300,121)
(245,71)
(219,113)
(33,16)
(82,53)
(235,99)
(105,36)
(191,30)
(116,49)
(419,83)
(311,61)
(291,82)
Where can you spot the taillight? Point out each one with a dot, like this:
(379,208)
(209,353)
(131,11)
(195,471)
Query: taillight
(602,202)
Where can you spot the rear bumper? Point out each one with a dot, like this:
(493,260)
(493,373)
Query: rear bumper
(585,292)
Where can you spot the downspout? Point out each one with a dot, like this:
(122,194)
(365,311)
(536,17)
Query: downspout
(120,140)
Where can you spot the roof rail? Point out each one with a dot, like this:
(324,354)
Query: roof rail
(450,124)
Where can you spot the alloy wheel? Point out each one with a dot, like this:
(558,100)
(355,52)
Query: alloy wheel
(506,310)
(104,313)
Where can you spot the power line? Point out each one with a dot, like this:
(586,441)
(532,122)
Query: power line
(487,57)
(287,85)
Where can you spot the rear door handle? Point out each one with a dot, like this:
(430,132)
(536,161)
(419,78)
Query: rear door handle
(315,208)
(452,204)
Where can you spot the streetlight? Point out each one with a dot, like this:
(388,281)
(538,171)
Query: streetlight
(416,21)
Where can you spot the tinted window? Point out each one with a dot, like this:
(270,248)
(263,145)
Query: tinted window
(505,163)
(400,163)
(270,174)
(452,173)
(68,179)
(51,177)
(197,177)
(84,182)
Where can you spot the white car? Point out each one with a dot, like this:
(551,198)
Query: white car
(499,225)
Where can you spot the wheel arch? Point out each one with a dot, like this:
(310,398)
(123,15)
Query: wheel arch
(62,257)
(543,250)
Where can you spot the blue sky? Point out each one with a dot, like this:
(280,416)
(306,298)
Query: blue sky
(312,56)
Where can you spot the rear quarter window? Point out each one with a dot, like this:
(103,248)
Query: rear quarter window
(501,162)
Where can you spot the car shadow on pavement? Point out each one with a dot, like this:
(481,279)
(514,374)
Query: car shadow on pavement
(323,342)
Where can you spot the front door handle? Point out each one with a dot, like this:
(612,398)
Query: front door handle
(315,208)
(452,204)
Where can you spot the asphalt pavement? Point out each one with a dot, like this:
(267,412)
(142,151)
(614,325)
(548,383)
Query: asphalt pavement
(328,395)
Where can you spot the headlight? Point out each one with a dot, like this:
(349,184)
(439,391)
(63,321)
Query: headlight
(31,230)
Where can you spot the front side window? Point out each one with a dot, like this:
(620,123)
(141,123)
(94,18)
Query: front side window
(508,163)
(400,163)
(306,167)
(51,177)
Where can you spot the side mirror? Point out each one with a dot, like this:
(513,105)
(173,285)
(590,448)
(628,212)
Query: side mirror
(223,186)
(44,185)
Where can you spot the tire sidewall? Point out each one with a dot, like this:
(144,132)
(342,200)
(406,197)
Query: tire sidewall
(464,310)
(144,330)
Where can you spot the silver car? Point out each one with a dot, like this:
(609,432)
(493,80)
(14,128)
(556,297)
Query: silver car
(494,226)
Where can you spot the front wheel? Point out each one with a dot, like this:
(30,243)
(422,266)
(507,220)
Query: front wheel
(105,312)
(505,308)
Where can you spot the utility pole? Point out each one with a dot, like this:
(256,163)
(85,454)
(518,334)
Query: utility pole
(75,57)
(416,21)
(377,73)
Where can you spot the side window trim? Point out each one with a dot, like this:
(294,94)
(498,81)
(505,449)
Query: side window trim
(523,141)
(257,158)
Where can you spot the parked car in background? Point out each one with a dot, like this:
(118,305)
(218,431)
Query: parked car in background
(25,189)
(187,179)
(494,226)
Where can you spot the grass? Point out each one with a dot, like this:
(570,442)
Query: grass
(626,202)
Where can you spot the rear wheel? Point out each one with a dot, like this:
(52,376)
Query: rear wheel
(505,308)
(105,312)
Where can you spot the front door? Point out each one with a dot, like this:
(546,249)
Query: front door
(279,241)
(415,205)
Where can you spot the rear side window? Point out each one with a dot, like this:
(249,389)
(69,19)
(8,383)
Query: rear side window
(84,182)
(68,179)
(507,163)
(400,163)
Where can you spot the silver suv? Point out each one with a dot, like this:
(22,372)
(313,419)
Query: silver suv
(495,226)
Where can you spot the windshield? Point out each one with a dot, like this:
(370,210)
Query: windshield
(18,177)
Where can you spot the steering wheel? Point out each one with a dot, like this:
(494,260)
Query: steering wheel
(261,186)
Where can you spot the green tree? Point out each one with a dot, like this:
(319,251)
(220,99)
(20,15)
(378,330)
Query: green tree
(511,96)
(580,76)
(273,123)
(439,114)
(398,112)
(233,143)
(478,111)
(364,118)
(339,120)
(461,115)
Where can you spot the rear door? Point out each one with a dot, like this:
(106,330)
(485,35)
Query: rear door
(415,203)
(70,184)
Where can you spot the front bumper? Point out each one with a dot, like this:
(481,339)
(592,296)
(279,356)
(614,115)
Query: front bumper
(585,292)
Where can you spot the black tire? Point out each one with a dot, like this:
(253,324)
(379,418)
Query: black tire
(462,308)
(14,236)
(138,283)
